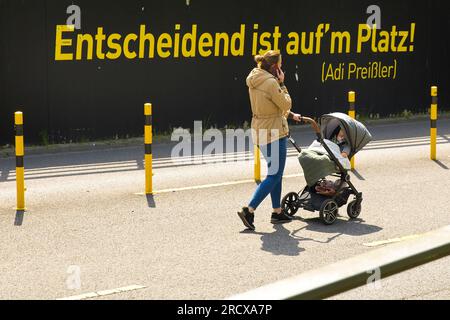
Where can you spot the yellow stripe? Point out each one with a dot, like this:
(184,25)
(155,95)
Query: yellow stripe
(351,96)
(433,140)
(20,150)
(148,109)
(148,174)
(352,114)
(434,112)
(257,163)
(18,117)
(148,135)
(215,185)
(434,91)
(20,186)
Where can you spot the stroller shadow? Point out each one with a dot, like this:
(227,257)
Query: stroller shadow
(280,242)
(355,228)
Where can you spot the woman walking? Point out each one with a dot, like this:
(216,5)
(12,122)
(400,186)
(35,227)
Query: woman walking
(271,106)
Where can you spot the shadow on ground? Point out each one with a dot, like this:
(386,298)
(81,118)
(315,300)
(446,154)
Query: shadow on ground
(131,158)
(151,201)
(354,228)
(280,242)
(440,164)
(18,221)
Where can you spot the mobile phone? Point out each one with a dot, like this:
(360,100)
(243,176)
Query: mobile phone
(274,70)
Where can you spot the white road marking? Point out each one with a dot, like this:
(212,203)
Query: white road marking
(214,185)
(103,293)
(384,242)
(131,165)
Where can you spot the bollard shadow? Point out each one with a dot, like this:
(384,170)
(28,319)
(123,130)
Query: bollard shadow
(18,221)
(440,164)
(6,167)
(151,201)
(89,161)
(4,174)
(358,175)
(279,243)
(445,138)
(140,163)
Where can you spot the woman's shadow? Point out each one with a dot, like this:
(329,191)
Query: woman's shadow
(280,242)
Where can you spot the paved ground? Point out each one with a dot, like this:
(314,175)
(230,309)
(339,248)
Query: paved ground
(189,244)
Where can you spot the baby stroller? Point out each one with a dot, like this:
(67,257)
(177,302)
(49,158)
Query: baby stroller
(309,198)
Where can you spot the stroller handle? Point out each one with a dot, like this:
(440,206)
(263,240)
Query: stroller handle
(315,127)
(313,124)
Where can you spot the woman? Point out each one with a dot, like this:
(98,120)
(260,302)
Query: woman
(271,105)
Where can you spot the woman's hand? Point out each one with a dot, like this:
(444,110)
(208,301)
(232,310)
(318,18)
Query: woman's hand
(296,117)
(280,75)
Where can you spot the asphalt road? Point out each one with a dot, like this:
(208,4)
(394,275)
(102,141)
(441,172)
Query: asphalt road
(84,211)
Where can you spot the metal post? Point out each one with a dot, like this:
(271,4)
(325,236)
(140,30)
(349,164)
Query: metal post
(148,140)
(352,114)
(434,117)
(20,169)
(257,164)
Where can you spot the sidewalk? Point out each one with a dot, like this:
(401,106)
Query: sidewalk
(8,151)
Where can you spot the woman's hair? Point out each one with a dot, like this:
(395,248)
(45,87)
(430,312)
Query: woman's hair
(267,60)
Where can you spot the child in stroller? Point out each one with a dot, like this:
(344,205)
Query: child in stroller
(339,138)
(327,187)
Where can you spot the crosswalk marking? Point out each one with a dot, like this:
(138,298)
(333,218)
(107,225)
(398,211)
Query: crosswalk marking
(134,165)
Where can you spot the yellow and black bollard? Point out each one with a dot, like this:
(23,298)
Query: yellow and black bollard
(352,114)
(148,140)
(20,168)
(434,117)
(257,156)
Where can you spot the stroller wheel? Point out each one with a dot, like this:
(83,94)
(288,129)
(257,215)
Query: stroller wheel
(354,209)
(329,211)
(289,204)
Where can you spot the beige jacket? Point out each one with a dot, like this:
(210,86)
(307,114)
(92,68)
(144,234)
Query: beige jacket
(271,105)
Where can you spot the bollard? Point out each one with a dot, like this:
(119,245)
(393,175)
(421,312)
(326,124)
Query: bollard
(20,170)
(257,164)
(352,114)
(148,140)
(434,117)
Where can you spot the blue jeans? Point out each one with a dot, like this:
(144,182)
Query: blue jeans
(275,155)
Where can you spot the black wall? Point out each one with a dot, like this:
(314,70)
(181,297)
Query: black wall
(75,100)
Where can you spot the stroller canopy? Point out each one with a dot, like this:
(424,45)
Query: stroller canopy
(357,134)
